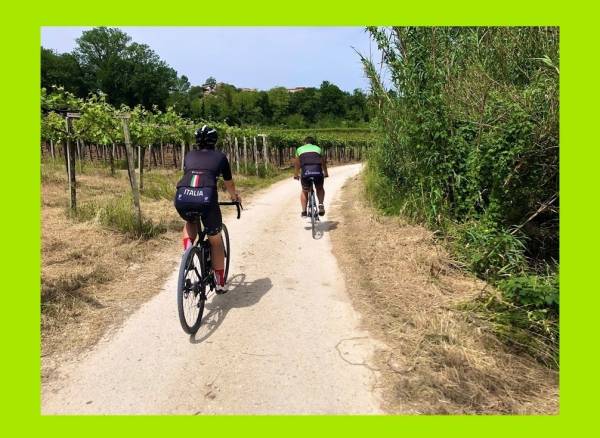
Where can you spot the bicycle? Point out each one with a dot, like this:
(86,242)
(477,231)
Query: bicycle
(196,276)
(311,209)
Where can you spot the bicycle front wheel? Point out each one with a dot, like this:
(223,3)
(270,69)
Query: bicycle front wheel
(191,290)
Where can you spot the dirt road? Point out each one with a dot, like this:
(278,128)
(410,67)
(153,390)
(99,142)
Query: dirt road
(284,340)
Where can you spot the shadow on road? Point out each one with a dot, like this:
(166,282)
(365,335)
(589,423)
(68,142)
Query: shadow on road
(241,294)
(323,227)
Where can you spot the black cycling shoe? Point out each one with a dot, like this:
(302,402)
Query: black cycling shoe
(321,210)
(303,214)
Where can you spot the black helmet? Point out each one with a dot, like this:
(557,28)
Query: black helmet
(206,136)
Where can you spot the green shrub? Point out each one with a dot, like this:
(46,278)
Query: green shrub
(469,143)
(531,291)
(489,252)
(119,215)
(159,186)
(525,314)
(381,193)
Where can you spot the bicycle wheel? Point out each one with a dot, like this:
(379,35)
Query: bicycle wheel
(313,213)
(191,290)
(225,237)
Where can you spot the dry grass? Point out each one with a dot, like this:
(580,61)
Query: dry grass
(408,291)
(94,277)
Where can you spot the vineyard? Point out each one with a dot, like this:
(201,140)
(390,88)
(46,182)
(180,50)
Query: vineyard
(162,138)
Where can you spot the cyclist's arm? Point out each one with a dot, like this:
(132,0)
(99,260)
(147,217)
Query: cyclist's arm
(296,167)
(230,186)
(324,164)
(228,180)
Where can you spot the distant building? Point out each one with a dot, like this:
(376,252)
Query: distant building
(296,89)
(211,89)
(248,89)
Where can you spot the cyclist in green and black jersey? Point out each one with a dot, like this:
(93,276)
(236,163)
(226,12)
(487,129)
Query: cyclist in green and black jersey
(310,163)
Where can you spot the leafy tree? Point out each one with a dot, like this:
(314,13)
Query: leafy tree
(279,99)
(210,82)
(332,100)
(129,73)
(62,70)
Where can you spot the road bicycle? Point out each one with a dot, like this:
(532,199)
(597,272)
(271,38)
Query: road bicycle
(196,279)
(312,209)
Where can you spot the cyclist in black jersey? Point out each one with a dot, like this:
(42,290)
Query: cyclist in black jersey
(197,196)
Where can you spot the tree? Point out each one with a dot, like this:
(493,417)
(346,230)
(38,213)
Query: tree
(101,54)
(332,100)
(279,99)
(306,103)
(62,70)
(357,106)
(180,97)
(210,82)
(129,73)
(149,80)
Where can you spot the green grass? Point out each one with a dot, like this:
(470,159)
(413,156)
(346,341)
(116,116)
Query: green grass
(523,313)
(160,185)
(118,215)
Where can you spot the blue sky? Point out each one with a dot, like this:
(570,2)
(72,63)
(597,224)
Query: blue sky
(254,57)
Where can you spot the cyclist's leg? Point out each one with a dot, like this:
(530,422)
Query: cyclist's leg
(190,229)
(320,189)
(212,221)
(320,194)
(306,184)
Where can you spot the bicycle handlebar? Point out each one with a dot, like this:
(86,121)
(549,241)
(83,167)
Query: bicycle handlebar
(237,204)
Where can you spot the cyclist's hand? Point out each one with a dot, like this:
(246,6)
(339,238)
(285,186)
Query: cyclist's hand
(296,177)
(236,198)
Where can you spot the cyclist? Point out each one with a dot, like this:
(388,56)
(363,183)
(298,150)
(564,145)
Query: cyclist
(310,163)
(197,196)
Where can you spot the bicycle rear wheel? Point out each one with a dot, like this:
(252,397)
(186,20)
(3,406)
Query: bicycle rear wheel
(191,290)
(225,237)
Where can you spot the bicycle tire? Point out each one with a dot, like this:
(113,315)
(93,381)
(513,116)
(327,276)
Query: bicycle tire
(227,250)
(184,291)
(313,214)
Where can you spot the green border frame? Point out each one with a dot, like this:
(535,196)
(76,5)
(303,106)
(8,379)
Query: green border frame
(21,219)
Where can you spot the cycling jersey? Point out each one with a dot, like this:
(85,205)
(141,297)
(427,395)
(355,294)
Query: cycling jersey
(197,190)
(203,167)
(311,161)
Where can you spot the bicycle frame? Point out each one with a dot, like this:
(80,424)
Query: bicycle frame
(204,245)
(312,200)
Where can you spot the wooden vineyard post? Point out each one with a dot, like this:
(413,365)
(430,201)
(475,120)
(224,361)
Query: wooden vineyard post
(245,157)
(182,153)
(131,168)
(112,160)
(70,150)
(254,148)
(52,149)
(265,152)
(162,154)
(237,155)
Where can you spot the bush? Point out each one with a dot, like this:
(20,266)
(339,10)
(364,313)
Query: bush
(119,215)
(159,186)
(470,145)
(531,291)
(489,252)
